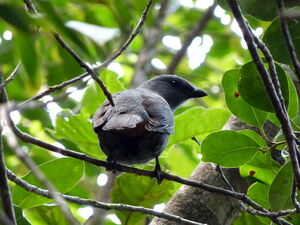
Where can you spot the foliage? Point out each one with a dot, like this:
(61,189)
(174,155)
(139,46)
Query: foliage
(227,65)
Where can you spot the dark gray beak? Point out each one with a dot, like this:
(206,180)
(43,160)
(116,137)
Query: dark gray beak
(197,93)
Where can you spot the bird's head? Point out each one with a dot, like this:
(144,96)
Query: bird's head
(174,89)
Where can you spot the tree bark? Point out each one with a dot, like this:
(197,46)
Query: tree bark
(203,206)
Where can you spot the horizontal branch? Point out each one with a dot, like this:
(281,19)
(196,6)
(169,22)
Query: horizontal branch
(117,167)
(97,204)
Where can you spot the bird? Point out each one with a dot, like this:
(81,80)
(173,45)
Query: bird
(137,128)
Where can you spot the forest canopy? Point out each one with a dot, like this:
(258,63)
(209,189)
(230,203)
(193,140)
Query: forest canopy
(60,60)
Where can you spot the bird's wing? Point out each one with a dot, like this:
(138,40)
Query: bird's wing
(134,114)
(123,117)
(160,114)
(98,119)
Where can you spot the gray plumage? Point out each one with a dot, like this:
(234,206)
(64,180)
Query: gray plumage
(138,127)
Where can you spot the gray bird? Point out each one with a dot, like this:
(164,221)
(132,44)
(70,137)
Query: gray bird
(138,127)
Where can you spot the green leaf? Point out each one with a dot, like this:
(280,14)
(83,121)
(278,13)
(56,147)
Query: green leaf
(228,148)
(94,97)
(293,104)
(183,154)
(275,41)
(25,45)
(63,173)
(50,215)
(253,91)
(248,219)
(140,191)
(261,168)
(254,136)
(281,188)
(236,103)
(21,220)
(15,16)
(198,122)
(78,130)
(258,192)
(54,19)
(101,14)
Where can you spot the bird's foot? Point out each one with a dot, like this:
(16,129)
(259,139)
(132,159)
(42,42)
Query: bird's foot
(157,173)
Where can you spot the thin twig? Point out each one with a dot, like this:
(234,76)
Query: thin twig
(287,38)
(196,140)
(97,204)
(197,30)
(30,6)
(5,193)
(86,67)
(274,145)
(110,59)
(11,76)
(53,89)
(12,141)
(279,110)
(294,198)
(224,178)
(42,104)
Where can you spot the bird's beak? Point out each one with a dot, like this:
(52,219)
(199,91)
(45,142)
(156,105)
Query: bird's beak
(197,93)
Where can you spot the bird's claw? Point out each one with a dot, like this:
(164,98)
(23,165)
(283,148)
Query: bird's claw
(157,173)
(111,165)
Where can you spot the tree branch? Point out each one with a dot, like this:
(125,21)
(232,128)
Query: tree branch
(117,167)
(197,30)
(11,77)
(5,220)
(279,110)
(294,197)
(97,204)
(4,187)
(287,38)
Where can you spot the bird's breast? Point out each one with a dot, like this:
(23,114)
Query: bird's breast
(135,149)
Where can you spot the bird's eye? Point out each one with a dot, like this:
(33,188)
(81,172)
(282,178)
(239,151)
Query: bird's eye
(174,83)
